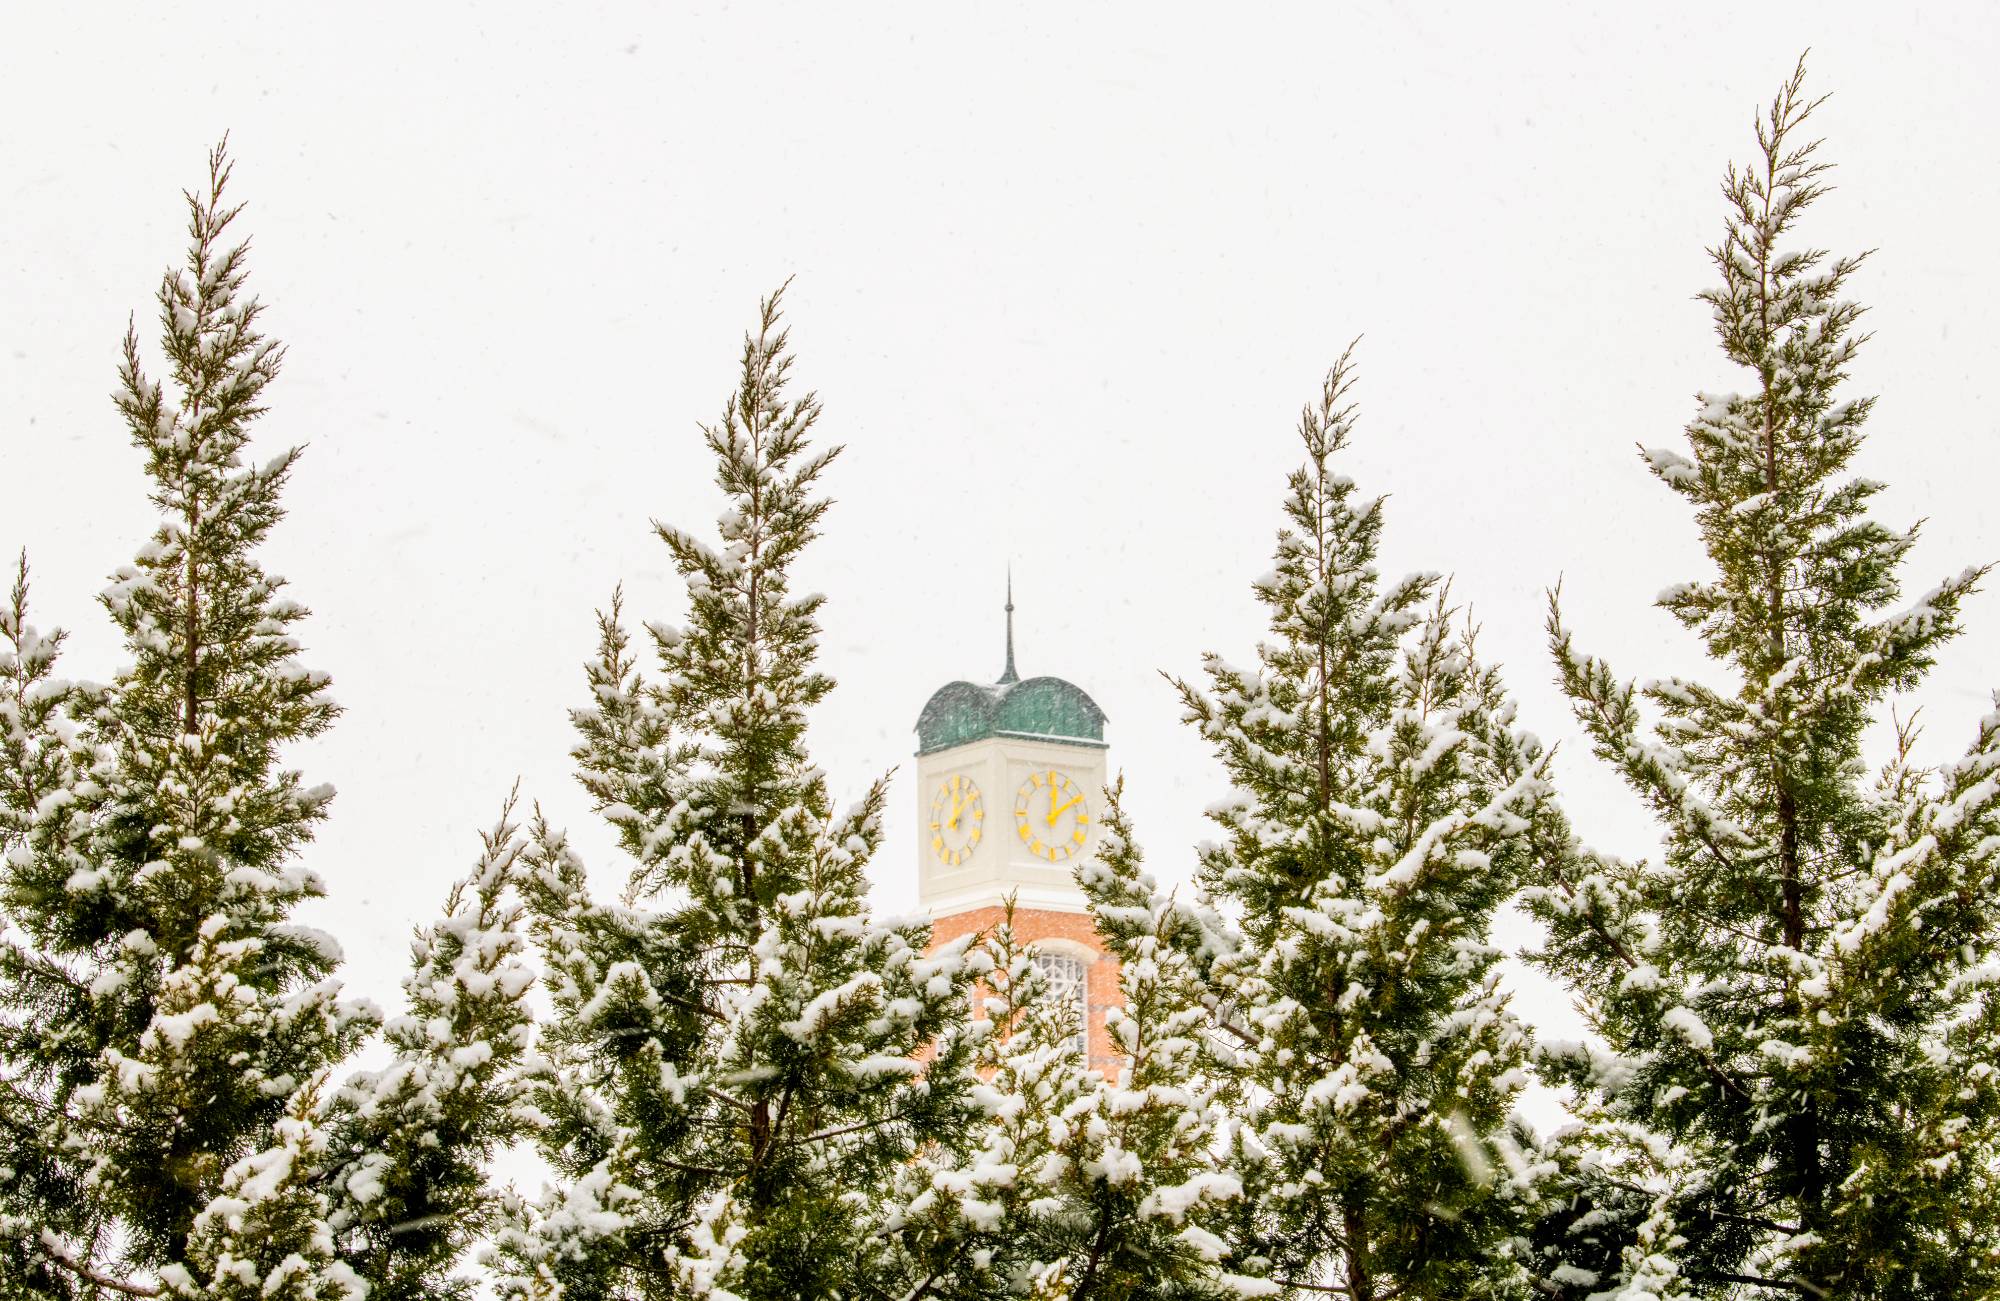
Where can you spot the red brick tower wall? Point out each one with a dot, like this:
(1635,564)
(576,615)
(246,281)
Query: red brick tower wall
(1102,990)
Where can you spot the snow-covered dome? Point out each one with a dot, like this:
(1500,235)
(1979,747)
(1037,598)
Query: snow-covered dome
(1045,708)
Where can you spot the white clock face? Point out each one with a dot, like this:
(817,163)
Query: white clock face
(958,819)
(1051,815)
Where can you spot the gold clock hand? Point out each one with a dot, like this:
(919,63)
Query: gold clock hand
(957,806)
(1056,812)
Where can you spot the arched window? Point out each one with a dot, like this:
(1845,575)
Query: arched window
(1067,983)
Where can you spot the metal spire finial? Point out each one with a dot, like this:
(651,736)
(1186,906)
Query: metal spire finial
(1010,675)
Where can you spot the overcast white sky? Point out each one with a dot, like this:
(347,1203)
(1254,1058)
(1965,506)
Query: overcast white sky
(1065,275)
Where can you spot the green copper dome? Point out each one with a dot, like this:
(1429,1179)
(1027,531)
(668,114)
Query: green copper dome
(1041,709)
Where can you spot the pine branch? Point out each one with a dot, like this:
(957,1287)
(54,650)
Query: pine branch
(52,1252)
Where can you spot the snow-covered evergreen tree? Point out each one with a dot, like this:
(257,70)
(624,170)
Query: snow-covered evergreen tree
(1798,998)
(408,1145)
(266,1235)
(984,1221)
(379,1188)
(1143,1168)
(168,1037)
(1083,1187)
(735,1056)
(1382,806)
(157,1009)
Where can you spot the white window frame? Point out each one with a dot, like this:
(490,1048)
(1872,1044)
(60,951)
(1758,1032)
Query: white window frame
(1065,967)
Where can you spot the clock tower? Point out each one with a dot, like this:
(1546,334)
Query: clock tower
(1010,788)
